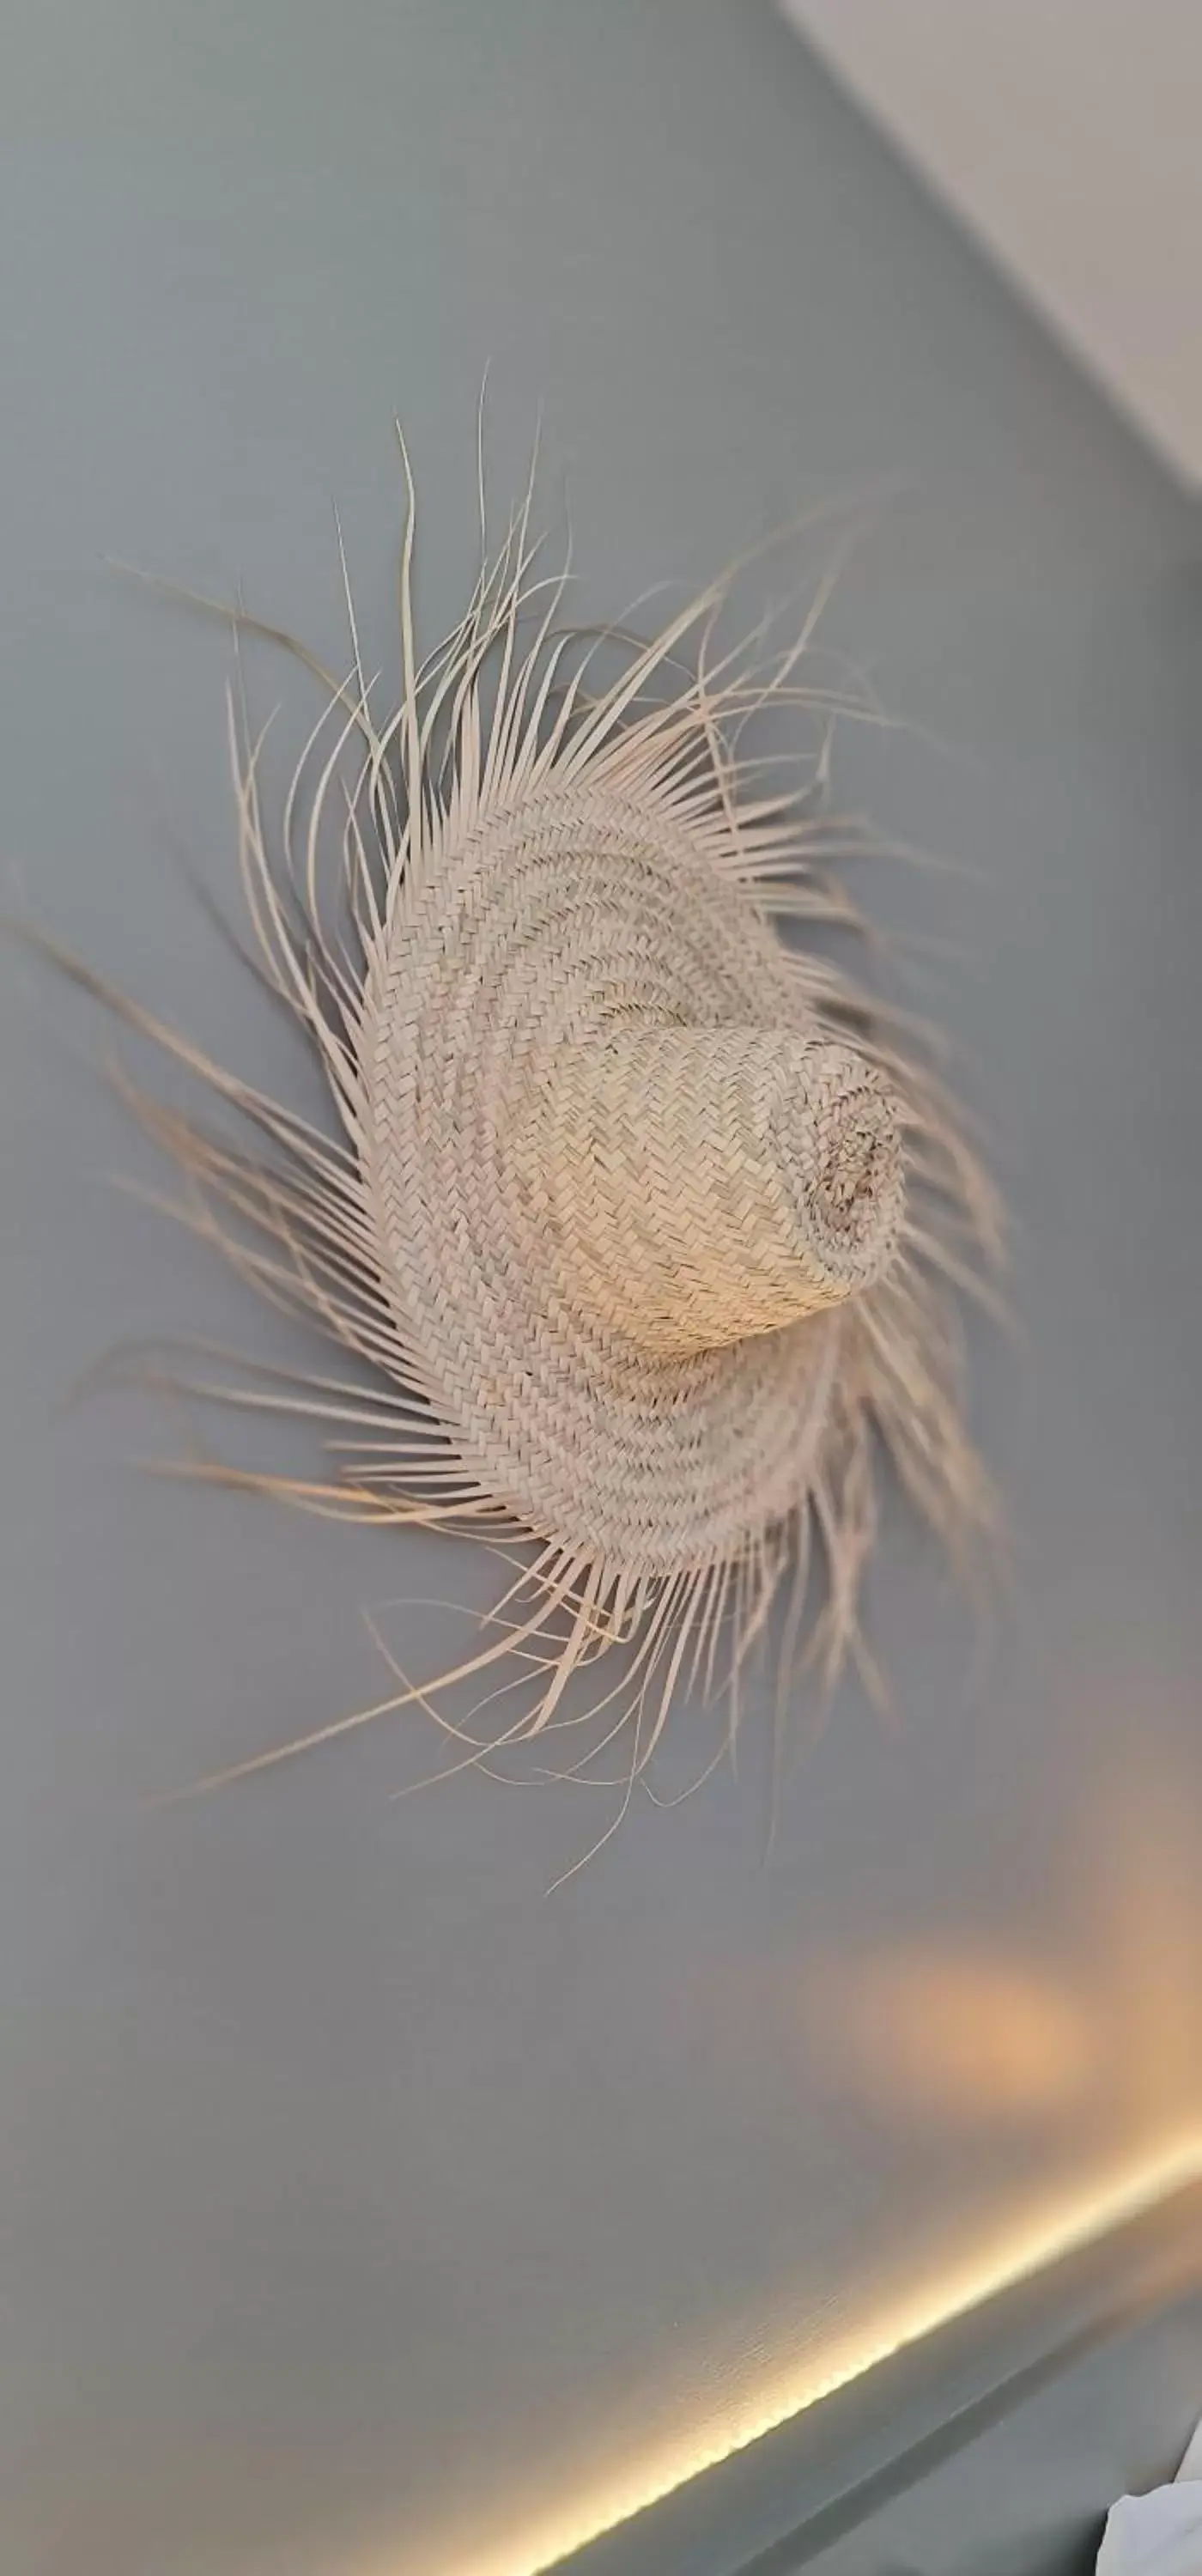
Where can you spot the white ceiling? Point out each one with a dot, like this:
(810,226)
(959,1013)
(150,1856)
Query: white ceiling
(1067,135)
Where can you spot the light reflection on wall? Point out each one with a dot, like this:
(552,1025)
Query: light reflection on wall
(965,2034)
(1102,2051)
(927,2036)
(572,2512)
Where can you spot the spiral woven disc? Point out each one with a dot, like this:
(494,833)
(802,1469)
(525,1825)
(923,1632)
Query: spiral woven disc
(569,918)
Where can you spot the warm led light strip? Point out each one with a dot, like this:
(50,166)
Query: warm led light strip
(1025,2250)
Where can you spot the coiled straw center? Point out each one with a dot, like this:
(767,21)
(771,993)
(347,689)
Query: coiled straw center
(710,1184)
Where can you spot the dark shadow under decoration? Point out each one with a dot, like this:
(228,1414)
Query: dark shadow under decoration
(647,1221)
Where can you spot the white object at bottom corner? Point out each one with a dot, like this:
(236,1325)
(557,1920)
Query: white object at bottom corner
(1158,2534)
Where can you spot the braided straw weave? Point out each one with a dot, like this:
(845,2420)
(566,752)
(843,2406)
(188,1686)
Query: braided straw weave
(640,1218)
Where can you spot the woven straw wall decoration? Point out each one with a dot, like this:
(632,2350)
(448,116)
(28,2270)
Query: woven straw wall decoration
(646,1222)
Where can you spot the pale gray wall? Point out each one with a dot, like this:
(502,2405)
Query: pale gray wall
(359,2205)
(1064,134)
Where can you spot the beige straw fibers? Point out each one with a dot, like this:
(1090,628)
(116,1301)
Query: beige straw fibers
(639,1222)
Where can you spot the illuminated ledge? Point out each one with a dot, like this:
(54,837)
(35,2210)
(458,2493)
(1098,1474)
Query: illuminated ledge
(820,2470)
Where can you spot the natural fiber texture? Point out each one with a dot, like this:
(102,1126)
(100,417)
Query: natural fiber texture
(700,1185)
(642,1217)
